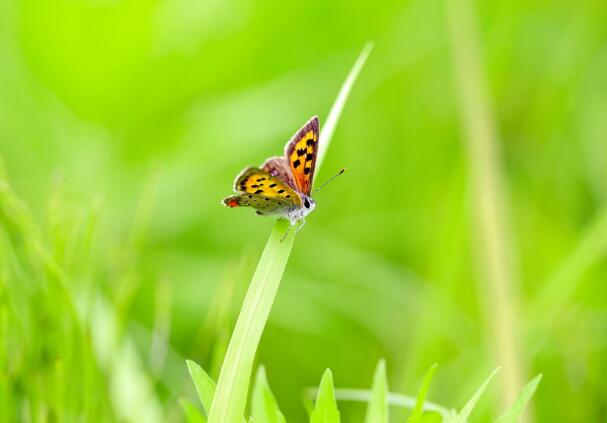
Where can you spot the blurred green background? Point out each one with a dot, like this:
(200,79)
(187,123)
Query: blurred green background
(124,122)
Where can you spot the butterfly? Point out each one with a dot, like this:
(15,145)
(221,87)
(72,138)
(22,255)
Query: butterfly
(281,186)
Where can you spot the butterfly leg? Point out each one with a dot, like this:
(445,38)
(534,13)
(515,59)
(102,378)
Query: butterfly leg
(302,222)
(286,233)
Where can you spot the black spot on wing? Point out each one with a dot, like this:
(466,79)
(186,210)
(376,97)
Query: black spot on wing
(310,142)
(307,170)
(309,157)
(301,151)
(296,163)
(259,191)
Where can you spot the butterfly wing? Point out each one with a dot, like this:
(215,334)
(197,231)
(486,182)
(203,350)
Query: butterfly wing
(255,181)
(301,153)
(263,204)
(279,168)
(264,192)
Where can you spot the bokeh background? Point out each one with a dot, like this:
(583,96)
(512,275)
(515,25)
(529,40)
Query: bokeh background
(124,122)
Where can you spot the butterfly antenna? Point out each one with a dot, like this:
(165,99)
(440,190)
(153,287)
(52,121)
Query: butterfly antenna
(327,182)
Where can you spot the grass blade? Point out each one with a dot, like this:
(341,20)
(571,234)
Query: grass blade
(231,394)
(497,276)
(464,414)
(377,411)
(191,413)
(205,386)
(416,414)
(513,414)
(264,408)
(325,410)
(327,129)
(363,395)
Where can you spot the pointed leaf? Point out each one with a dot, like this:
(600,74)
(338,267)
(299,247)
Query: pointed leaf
(464,414)
(416,414)
(205,386)
(377,411)
(191,412)
(513,414)
(264,408)
(326,407)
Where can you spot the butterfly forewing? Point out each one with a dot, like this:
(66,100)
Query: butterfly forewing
(301,154)
(256,181)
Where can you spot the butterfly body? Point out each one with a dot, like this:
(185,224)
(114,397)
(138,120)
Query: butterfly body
(281,186)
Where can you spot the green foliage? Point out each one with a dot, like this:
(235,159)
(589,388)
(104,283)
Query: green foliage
(514,413)
(462,416)
(325,410)
(191,412)
(264,408)
(377,410)
(123,123)
(205,386)
(416,414)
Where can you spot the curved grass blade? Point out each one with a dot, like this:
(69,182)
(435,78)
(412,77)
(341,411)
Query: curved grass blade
(416,414)
(231,394)
(464,414)
(514,413)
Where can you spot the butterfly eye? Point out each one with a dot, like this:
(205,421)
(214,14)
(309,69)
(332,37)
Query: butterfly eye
(306,204)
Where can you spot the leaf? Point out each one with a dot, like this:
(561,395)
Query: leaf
(205,386)
(513,414)
(377,411)
(416,414)
(264,406)
(191,412)
(464,414)
(325,410)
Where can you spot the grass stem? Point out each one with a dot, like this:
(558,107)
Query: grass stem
(497,282)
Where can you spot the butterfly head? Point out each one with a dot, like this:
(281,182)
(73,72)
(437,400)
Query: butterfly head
(308,203)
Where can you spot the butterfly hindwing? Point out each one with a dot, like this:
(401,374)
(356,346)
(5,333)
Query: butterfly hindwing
(263,204)
(279,168)
(301,153)
(255,181)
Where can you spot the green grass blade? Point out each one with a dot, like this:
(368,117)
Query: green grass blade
(362,395)
(377,411)
(205,386)
(232,387)
(464,414)
(497,276)
(325,410)
(328,127)
(264,406)
(513,414)
(191,413)
(416,414)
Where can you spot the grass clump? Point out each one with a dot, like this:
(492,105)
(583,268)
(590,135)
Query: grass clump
(265,409)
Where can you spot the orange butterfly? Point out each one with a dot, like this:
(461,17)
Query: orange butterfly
(282,186)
